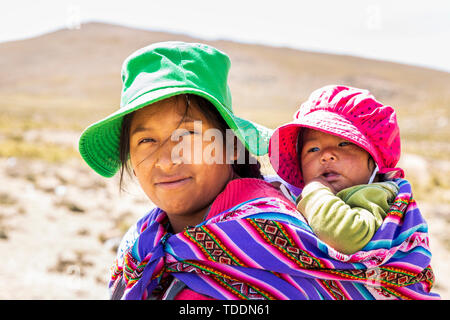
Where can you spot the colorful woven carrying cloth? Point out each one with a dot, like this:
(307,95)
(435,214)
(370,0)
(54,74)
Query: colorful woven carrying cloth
(264,249)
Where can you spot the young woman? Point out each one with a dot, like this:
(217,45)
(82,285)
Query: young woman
(177,134)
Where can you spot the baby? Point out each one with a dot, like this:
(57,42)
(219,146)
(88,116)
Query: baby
(341,149)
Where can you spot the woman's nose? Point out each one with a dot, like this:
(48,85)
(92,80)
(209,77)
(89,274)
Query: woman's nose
(165,157)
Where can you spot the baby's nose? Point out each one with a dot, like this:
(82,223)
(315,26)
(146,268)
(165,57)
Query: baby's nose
(328,156)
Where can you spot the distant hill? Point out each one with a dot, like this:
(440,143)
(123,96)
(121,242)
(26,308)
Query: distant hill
(72,77)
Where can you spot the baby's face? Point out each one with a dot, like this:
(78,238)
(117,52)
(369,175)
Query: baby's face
(333,160)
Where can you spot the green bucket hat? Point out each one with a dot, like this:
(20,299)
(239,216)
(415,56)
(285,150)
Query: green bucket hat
(160,71)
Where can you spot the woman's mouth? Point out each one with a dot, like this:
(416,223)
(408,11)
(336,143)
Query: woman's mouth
(173,183)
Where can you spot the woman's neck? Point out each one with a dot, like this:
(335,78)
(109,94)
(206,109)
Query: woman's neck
(179,222)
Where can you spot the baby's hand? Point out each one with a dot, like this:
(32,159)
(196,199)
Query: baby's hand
(324,182)
(306,191)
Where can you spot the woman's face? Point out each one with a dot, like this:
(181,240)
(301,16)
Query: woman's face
(181,183)
(334,160)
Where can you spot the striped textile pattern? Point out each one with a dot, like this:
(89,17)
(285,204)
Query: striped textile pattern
(263,249)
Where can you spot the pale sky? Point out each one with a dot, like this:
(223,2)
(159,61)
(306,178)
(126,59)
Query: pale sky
(407,31)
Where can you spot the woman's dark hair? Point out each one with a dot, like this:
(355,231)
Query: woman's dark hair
(249,169)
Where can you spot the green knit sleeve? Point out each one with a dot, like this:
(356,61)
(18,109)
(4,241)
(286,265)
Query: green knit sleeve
(348,220)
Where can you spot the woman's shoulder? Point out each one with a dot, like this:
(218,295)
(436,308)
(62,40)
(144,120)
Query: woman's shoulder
(133,233)
(268,187)
(242,190)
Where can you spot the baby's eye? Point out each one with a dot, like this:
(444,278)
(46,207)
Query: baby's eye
(345,143)
(313,149)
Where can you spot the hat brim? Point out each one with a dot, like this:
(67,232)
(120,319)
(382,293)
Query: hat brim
(99,143)
(283,143)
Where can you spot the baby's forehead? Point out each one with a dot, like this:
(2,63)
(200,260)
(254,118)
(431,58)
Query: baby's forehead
(308,134)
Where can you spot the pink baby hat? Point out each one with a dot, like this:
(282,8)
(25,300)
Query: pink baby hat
(350,113)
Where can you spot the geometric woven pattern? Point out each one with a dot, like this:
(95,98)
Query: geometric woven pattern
(239,288)
(274,233)
(262,249)
(211,245)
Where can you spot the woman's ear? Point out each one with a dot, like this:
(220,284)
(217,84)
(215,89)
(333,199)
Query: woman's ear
(238,151)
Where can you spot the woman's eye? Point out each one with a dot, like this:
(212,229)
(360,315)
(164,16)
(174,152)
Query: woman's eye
(189,132)
(146,140)
(181,132)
